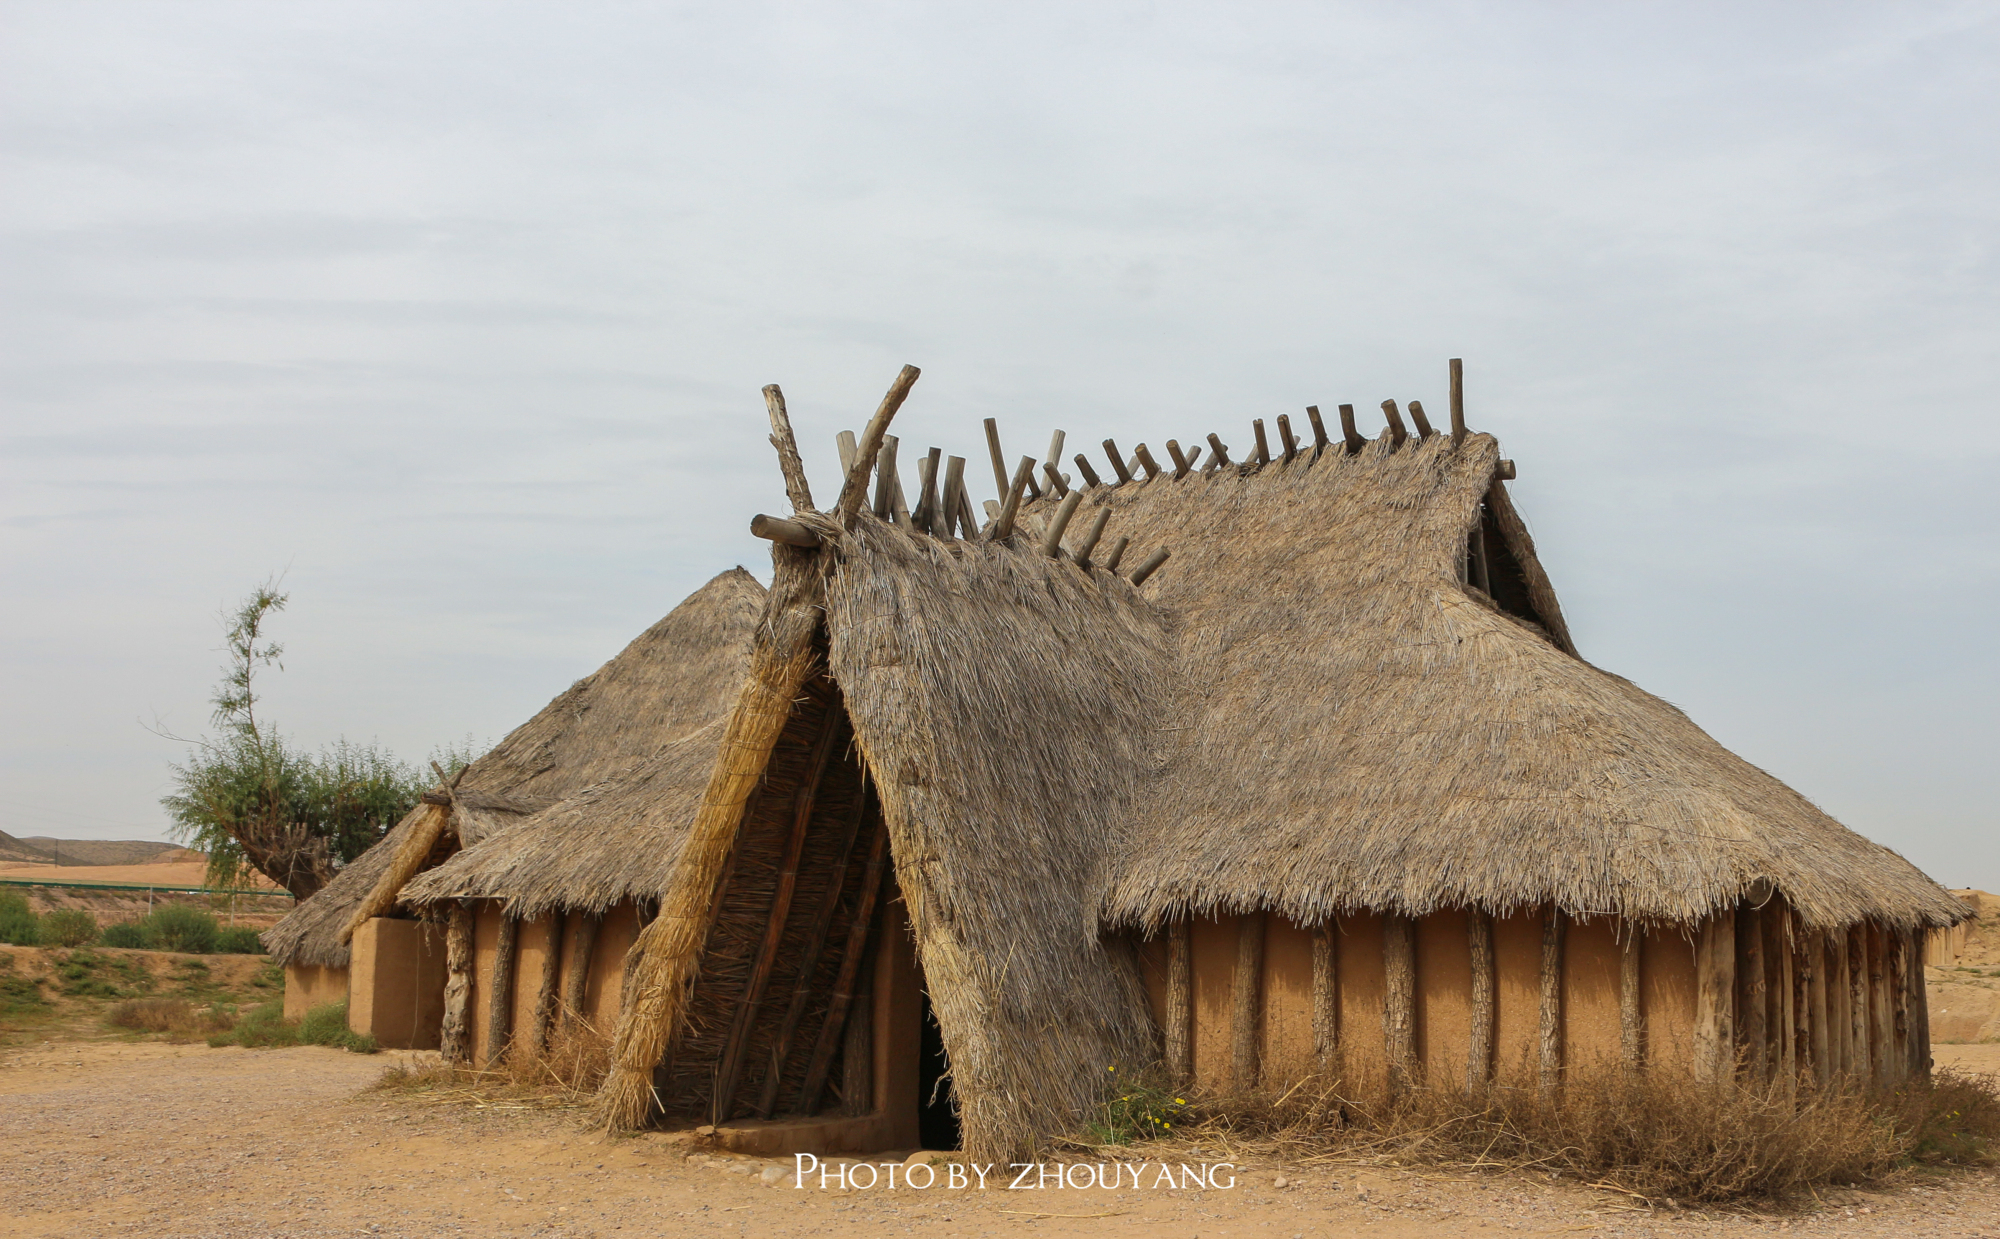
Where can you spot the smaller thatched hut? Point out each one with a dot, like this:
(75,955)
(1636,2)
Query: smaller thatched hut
(633,719)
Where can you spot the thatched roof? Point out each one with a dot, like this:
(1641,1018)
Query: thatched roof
(634,713)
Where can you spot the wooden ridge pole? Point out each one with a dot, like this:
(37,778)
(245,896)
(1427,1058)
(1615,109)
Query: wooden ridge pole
(855,488)
(1348,432)
(927,491)
(1179,1030)
(1326,999)
(954,482)
(885,478)
(455,1038)
(1320,439)
(1181,465)
(1287,438)
(1399,998)
(1117,462)
(850,964)
(1423,423)
(1246,1005)
(1479,1049)
(1146,462)
(1397,434)
(1003,528)
(815,946)
(797,489)
(1263,456)
(1218,454)
(500,1002)
(1457,401)
(730,1072)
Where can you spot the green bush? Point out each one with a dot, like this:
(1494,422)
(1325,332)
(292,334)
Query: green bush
(264,1026)
(125,934)
(177,927)
(69,927)
(327,1025)
(19,926)
(86,974)
(239,941)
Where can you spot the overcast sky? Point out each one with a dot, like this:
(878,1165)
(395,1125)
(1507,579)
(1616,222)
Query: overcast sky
(456,316)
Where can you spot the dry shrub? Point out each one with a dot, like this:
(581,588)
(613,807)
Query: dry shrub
(177,1017)
(568,1072)
(1661,1134)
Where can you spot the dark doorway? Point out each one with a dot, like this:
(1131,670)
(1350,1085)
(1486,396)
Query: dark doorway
(937,1108)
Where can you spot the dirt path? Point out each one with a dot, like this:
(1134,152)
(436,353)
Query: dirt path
(148,1139)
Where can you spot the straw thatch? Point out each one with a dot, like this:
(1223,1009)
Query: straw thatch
(637,710)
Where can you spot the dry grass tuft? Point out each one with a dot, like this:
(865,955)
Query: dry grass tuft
(568,1074)
(1661,1135)
(180,1019)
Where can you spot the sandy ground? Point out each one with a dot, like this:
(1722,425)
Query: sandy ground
(174,873)
(110,1138)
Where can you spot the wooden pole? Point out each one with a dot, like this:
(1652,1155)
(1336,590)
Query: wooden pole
(500,1002)
(546,992)
(1819,1031)
(1090,539)
(1715,996)
(927,493)
(1423,423)
(1552,1003)
(455,1039)
(1397,434)
(1631,1027)
(1320,439)
(1263,445)
(1117,461)
(1920,1009)
(1860,1056)
(583,943)
(1150,566)
(1752,996)
(1326,999)
(954,482)
(1881,1010)
(885,477)
(850,964)
(855,488)
(815,946)
(778,529)
(1479,1042)
(1286,438)
(1180,1002)
(1839,1030)
(1117,554)
(857,1039)
(1146,462)
(1219,454)
(1399,998)
(1246,1006)
(1003,528)
(845,443)
(998,457)
(1778,957)
(1089,474)
(1052,542)
(1898,942)
(1348,432)
(1457,401)
(1058,483)
(1179,457)
(797,489)
(730,1070)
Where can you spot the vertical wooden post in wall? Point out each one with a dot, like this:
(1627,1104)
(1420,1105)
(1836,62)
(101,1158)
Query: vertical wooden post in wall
(455,1038)
(583,943)
(1630,1026)
(1920,1008)
(500,1003)
(1898,942)
(1179,1032)
(1246,1014)
(1715,995)
(1399,997)
(1552,1004)
(1326,999)
(1778,992)
(544,1020)
(1836,1003)
(1752,993)
(1860,1028)
(1818,1010)
(1881,1010)
(1479,1045)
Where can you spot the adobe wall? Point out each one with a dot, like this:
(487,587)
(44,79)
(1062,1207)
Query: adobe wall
(1443,1014)
(395,990)
(603,984)
(311,985)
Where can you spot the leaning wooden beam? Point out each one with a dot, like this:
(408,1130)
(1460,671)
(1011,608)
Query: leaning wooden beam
(1179,1031)
(1246,1002)
(736,1047)
(1117,461)
(843,985)
(1551,998)
(1422,423)
(1457,401)
(855,488)
(1003,527)
(1397,434)
(455,1038)
(1146,462)
(1320,439)
(1052,541)
(1326,999)
(1218,454)
(1630,1027)
(1263,456)
(412,850)
(1479,1043)
(1715,996)
(544,1020)
(1090,539)
(1348,432)
(500,1002)
(1117,553)
(576,982)
(1286,437)
(778,529)
(999,460)
(1150,566)
(797,489)
(1399,998)
(815,946)
(1090,477)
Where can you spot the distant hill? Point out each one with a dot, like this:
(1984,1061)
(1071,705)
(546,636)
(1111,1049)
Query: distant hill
(42,849)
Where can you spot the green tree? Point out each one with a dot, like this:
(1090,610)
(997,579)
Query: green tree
(252,801)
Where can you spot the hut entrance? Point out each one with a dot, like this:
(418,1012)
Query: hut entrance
(937,1105)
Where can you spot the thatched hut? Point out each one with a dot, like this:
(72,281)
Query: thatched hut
(641,719)
(1330,794)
